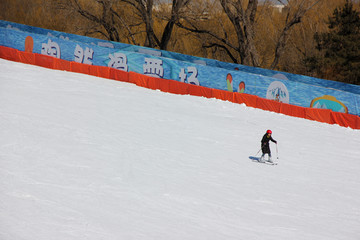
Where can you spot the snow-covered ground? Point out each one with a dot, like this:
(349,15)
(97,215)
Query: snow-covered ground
(89,158)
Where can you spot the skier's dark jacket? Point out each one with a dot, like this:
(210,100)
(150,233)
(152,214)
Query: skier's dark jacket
(265,143)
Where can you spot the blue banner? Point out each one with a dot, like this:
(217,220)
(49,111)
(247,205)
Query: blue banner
(279,86)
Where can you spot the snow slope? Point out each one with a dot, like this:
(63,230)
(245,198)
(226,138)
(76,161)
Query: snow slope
(89,158)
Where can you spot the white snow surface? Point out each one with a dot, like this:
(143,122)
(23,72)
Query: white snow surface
(89,158)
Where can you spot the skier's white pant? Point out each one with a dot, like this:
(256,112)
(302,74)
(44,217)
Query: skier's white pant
(262,158)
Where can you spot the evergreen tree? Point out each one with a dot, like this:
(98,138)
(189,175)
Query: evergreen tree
(339,49)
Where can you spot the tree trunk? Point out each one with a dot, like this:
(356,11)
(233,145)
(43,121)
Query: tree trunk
(243,21)
(300,10)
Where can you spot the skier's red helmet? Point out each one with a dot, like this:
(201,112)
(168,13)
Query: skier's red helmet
(269,131)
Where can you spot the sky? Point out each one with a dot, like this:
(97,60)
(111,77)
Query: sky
(83,157)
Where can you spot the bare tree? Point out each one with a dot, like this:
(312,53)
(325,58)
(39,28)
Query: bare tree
(243,20)
(243,15)
(117,20)
(103,17)
(144,10)
(175,15)
(296,9)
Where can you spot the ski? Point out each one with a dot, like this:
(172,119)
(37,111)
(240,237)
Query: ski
(271,163)
(268,163)
(255,159)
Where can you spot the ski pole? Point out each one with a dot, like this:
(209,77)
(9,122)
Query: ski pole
(257,152)
(277,152)
(260,149)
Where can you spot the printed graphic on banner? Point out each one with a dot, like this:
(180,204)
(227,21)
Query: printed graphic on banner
(241,88)
(280,76)
(192,78)
(105,44)
(51,49)
(229,82)
(329,102)
(61,37)
(29,44)
(200,62)
(277,91)
(119,61)
(13,28)
(150,52)
(83,56)
(153,67)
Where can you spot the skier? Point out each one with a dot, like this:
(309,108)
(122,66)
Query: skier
(265,146)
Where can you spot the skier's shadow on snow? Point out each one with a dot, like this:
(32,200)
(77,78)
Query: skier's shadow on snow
(254,158)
